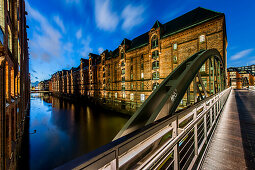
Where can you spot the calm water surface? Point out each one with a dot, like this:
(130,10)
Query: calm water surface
(66,130)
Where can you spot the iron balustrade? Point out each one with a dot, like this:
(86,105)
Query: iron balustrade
(173,142)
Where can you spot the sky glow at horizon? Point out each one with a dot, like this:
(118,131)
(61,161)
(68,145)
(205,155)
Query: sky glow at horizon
(63,31)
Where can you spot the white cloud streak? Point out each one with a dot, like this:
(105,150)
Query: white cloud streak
(79,34)
(241,54)
(86,49)
(46,39)
(132,16)
(60,23)
(105,18)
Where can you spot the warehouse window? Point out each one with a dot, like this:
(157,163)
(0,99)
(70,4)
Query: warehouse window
(155,75)
(175,46)
(154,42)
(132,97)
(122,55)
(142,97)
(155,54)
(155,65)
(175,59)
(202,38)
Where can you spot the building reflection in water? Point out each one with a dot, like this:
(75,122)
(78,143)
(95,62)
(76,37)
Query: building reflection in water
(66,130)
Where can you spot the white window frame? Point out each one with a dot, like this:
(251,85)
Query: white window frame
(132,96)
(175,46)
(202,38)
(142,96)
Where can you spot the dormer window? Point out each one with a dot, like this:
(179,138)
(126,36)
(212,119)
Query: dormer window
(122,55)
(154,42)
(202,38)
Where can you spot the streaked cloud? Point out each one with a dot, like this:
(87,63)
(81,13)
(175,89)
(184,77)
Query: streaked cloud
(86,48)
(132,16)
(106,19)
(73,1)
(79,34)
(60,23)
(46,38)
(241,54)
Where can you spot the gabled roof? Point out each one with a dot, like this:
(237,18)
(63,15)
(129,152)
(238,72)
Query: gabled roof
(192,18)
(157,24)
(96,59)
(189,19)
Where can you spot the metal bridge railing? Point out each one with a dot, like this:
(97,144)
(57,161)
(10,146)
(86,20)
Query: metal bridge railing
(174,142)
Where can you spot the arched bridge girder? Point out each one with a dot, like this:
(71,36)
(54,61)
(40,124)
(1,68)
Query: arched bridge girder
(165,99)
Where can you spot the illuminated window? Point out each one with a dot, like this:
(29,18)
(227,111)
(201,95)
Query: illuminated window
(202,38)
(155,54)
(123,95)
(141,75)
(131,76)
(123,71)
(175,46)
(154,42)
(109,94)
(132,97)
(116,95)
(142,97)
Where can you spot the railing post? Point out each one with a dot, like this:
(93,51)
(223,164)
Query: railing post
(214,109)
(195,132)
(176,147)
(205,126)
(211,121)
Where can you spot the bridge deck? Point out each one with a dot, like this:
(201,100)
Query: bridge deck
(233,144)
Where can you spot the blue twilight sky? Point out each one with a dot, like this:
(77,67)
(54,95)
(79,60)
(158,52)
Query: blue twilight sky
(62,31)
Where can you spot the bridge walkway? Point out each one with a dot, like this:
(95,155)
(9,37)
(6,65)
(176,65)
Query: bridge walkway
(233,144)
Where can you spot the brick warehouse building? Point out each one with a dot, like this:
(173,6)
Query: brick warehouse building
(14,79)
(125,77)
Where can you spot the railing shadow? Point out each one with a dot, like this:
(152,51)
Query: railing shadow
(247,125)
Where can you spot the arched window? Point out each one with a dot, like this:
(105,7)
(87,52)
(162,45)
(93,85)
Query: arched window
(154,42)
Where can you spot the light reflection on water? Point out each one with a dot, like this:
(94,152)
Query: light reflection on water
(66,130)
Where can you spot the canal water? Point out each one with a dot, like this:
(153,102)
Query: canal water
(65,130)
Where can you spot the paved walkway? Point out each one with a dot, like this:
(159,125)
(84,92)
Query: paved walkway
(233,144)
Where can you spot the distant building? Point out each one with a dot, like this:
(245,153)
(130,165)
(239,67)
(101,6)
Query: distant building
(14,80)
(44,85)
(240,77)
(125,77)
